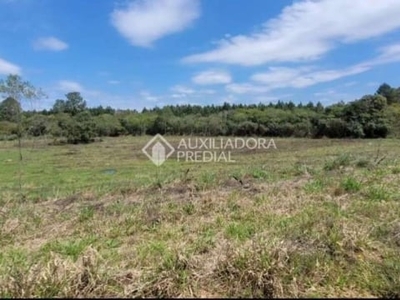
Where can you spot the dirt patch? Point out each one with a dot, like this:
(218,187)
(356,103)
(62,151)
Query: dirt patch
(246,184)
(178,189)
(64,202)
(232,183)
(10,226)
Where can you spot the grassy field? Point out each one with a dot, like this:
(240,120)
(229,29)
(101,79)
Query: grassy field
(312,218)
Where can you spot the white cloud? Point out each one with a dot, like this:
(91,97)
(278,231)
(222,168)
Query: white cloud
(246,88)
(50,43)
(283,77)
(305,31)
(207,92)
(279,75)
(326,93)
(212,77)
(302,77)
(7,68)
(388,54)
(305,76)
(148,97)
(228,99)
(182,89)
(332,96)
(92,96)
(351,83)
(373,83)
(178,96)
(70,86)
(144,22)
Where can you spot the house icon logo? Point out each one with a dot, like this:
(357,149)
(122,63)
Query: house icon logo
(158,150)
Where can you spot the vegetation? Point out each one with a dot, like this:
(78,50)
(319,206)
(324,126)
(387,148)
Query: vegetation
(70,120)
(313,218)
(310,218)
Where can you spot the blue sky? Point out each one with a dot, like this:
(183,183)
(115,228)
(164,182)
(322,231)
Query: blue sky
(143,53)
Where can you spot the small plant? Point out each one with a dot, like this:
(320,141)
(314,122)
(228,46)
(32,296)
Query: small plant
(86,214)
(396,170)
(363,163)
(189,208)
(207,180)
(350,185)
(240,231)
(378,193)
(260,174)
(343,160)
(314,186)
(116,208)
(72,248)
(301,169)
(112,243)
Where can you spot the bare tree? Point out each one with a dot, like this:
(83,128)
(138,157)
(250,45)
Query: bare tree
(14,87)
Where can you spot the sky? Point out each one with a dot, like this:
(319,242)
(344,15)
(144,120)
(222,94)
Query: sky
(131,54)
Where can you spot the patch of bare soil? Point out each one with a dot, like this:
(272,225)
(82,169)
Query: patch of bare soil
(67,201)
(245,183)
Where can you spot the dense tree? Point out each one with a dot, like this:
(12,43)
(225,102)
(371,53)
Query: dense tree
(79,128)
(372,116)
(37,125)
(74,103)
(108,125)
(10,110)
(100,110)
(59,106)
(392,95)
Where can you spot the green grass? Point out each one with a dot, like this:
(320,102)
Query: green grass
(314,218)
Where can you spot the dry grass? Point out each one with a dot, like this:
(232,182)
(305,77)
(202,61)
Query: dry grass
(304,225)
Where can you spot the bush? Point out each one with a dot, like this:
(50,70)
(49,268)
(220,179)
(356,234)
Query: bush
(337,128)
(78,129)
(108,125)
(302,129)
(376,130)
(11,137)
(37,125)
(8,128)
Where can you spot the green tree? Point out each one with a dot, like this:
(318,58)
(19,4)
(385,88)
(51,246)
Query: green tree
(369,112)
(59,106)
(78,129)
(108,125)
(10,109)
(392,95)
(74,103)
(319,107)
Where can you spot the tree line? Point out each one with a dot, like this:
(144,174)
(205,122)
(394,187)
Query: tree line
(71,120)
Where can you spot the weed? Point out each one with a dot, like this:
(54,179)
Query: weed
(314,186)
(86,214)
(350,185)
(343,160)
